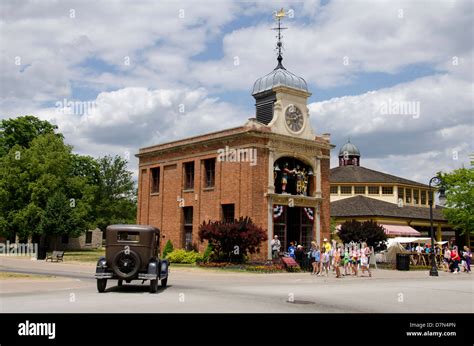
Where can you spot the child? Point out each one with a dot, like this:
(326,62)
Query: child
(346,260)
(291,250)
(324,260)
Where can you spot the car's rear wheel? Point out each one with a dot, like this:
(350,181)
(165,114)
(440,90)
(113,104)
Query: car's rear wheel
(120,283)
(153,286)
(126,264)
(101,285)
(164,282)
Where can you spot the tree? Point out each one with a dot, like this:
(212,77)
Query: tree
(168,248)
(35,164)
(60,217)
(459,186)
(21,131)
(29,177)
(116,199)
(368,231)
(232,241)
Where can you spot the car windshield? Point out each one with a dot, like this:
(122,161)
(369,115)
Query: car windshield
(128,236)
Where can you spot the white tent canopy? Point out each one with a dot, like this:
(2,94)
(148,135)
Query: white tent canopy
(416,240)
(405,240)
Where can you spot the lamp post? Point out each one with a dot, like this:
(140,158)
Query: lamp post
(434,182)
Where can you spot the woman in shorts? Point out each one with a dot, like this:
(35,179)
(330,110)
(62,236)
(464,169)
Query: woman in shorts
(355,260)
(446,258)
(316,256)
(455,258)
(364,259)
(337,260)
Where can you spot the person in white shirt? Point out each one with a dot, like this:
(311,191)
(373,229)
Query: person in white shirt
(276,245)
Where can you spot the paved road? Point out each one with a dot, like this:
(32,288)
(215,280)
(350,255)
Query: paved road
(202,290)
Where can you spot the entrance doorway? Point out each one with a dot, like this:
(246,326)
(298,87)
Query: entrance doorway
(292,224)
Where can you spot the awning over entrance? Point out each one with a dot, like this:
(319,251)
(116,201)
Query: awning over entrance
(400,230)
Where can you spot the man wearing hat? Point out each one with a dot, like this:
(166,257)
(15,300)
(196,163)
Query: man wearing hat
(276,245)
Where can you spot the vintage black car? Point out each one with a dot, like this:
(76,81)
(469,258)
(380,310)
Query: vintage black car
(132,253)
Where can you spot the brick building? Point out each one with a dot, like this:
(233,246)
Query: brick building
(273,169)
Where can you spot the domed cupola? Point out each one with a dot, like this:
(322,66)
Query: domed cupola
(280,76)
(278,85)
(349,155)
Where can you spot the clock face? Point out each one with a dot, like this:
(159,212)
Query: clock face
(294,118)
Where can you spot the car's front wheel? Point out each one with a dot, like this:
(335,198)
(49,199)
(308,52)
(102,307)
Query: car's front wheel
(120,283)
(153,286)
(164,282)
(101,285)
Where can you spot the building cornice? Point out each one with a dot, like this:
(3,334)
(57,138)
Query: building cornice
(236,133)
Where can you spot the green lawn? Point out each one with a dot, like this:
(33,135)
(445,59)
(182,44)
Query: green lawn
(89,256)
(7,276)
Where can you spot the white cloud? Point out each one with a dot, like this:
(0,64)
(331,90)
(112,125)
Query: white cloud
(405,144)
(52,38)
(369,33)
(125,120)
(138,104)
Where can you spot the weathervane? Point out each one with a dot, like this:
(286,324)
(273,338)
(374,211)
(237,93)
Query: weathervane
(278,17)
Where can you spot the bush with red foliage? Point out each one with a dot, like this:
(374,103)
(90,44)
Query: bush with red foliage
(232,241)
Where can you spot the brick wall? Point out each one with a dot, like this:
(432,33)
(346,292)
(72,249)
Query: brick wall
(237,183)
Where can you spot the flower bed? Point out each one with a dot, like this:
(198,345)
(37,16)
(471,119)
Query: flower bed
(256,268)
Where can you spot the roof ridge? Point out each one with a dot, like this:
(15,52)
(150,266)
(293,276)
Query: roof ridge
(390,175)
(373,171)
(368,206)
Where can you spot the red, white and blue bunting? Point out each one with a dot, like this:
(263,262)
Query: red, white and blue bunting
(277,211)
(309,213)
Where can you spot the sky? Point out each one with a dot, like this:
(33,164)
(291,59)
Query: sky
(396,77)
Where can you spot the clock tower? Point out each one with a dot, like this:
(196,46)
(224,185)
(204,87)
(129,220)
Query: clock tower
(281,97)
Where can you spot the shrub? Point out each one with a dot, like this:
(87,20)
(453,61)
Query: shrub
(183,256)
(231,241)
(207,254)
(168,248)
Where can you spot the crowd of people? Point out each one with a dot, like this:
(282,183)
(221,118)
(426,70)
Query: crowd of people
(354,258)
(453,260)
(342,259)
